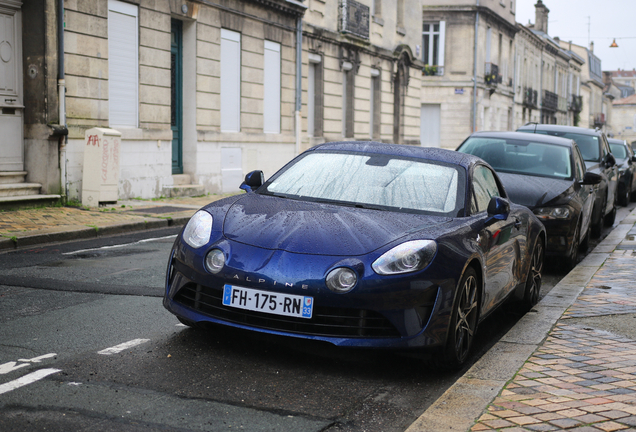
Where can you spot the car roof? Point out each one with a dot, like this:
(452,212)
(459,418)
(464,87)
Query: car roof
(616,141)
(402,150)
(539,138)
(560,128)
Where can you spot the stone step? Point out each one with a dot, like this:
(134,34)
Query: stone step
(187,190)
(19,189)
(181,179)
(25,201)
(12,176)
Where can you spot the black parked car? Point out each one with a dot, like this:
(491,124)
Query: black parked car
(598,159)
(547,175)
(626,170)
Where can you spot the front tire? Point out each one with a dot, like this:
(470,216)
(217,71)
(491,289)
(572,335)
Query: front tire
(464,321)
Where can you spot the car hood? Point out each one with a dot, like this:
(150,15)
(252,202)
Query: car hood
(319,229)
(532,191)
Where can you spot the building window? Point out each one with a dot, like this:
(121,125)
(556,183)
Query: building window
(433,36)
(271,94)
(230,81)
(123,65)
(314,96)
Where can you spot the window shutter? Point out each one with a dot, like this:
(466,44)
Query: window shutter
(230,81)
(442,42)
(123,65)
(271,81)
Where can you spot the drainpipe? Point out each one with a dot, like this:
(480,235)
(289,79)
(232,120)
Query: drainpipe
(299,51)
(61,89)
(475,70)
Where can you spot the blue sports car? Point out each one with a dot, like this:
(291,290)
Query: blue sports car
(361,244)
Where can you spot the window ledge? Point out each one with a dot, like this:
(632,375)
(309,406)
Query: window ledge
(401,30)
(378,20)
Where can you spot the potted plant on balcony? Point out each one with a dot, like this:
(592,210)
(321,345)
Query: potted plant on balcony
(429,70)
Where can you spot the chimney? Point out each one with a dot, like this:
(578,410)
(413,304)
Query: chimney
(541,17)
(592,46)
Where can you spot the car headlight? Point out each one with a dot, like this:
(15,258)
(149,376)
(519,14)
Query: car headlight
(197,231)
(341,280)
(552,212)
(405,258)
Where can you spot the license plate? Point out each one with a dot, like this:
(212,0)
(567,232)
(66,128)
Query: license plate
(268,302)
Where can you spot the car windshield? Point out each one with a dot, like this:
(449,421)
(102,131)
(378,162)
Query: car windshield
(373,180)
(521,156)
(588,144)
(618,150)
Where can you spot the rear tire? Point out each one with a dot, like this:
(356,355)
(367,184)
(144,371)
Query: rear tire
(534,278)
(572,260)
(623,200)
(597,226)
(610,217)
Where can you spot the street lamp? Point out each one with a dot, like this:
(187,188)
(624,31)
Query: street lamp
(614,44)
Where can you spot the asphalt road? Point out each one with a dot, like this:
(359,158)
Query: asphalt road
(87,317)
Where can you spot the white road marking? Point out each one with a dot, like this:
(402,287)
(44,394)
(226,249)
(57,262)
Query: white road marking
(123,346)
(5,368)
(120,245)
(38,359)
(27,379)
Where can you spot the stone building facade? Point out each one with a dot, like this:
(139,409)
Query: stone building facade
(204,92)
(361,79)
(471,86)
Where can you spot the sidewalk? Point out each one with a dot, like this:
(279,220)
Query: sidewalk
(23,228)
(569,364)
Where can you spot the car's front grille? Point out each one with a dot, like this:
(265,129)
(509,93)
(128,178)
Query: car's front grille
(326,321)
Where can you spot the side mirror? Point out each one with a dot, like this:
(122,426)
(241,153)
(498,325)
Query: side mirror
(498,209)
(253,180)
(610,160)
(591,178)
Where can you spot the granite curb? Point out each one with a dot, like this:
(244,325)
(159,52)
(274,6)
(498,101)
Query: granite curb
(465,401)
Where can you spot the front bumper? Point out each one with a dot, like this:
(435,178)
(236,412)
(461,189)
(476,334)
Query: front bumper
(382,312)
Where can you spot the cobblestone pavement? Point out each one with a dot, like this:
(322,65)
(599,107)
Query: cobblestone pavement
(581,379)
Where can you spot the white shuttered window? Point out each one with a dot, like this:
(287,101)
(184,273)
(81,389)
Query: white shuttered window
(271,81)
(230,81)
(123,64)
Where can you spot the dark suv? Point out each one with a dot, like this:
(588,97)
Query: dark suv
(598,159)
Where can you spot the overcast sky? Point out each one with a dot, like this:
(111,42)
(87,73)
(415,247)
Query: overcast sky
(600,21)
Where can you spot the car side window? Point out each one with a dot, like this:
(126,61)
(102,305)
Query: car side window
(578,163)
(484,187)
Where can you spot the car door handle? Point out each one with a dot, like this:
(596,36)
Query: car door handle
(517,223)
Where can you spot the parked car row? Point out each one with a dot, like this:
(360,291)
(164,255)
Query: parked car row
(572,178)
(373,245)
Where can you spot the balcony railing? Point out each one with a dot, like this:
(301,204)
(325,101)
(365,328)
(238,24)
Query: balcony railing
(530,97)
(576,103)
(550,101)
(562,104)
(491,74)
(599,119)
